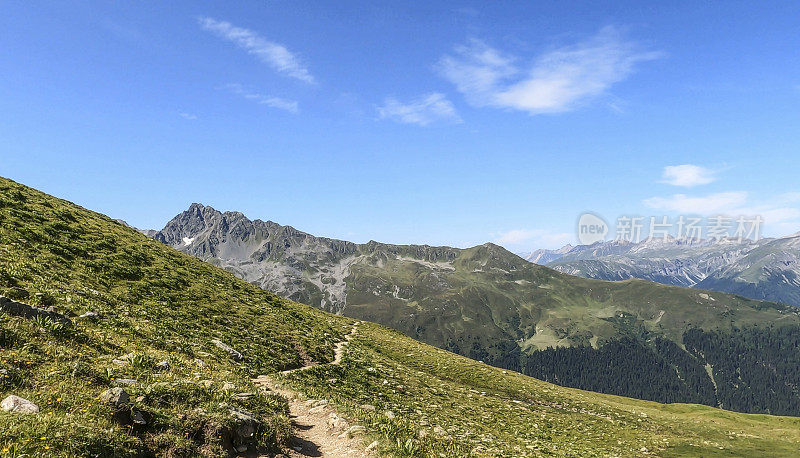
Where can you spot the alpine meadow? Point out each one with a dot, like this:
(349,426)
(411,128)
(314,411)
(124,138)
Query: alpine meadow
(448,229)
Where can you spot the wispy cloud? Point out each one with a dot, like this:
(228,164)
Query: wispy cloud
(188,116)
(687,175)
(271,101)
(269,52)
(557,81)
(524,239)
(721,202)
(421,111)
(780,214)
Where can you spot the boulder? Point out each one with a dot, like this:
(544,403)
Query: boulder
(17,404)
(125,415)
(115,396)
(227,348)
(15,308)
(245,426)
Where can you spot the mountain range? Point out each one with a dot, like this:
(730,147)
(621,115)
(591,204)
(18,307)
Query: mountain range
(113,344)
(491,305)
(767,269)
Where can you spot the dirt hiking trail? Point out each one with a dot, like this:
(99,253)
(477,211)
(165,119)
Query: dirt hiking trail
(317,430)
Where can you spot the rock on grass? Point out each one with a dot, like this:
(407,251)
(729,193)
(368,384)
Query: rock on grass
(17,404)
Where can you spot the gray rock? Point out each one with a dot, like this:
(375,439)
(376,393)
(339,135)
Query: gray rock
(125,415)
(89,316)
(163,366)
(337,422)
(355,429)
(126,381)
(115,396)
(245,425)
(17,404)
(15,308)
(227,348)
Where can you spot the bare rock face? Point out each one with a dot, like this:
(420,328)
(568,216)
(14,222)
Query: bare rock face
(291,263)
(16,404)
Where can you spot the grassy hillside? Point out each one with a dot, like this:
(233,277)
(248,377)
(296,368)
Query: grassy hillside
(155,304)
(488,302)
(491,305)
(423,401)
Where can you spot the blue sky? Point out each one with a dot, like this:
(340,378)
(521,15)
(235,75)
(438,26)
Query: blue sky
(444,123)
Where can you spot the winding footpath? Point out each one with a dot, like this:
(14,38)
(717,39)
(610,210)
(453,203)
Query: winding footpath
(317,429)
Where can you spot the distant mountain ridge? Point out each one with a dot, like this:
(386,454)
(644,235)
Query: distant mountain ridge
(767,269)
(164,363)
(280,258)
(493,306)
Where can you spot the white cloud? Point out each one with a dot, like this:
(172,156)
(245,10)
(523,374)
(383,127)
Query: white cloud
(517,239)
(421,111)
(278,102)
(780,214)
(723,202)
(269,52)
(188,116)
(557,81)
(275,102)
(687,175)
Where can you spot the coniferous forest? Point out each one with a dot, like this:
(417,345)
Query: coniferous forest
(754,370)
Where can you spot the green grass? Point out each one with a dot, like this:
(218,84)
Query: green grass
(492,302)
(154,303)
(485,411)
